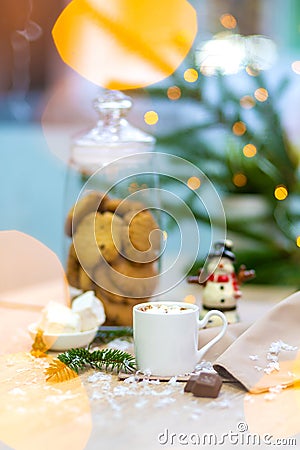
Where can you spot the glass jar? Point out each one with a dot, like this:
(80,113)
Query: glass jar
(112,227)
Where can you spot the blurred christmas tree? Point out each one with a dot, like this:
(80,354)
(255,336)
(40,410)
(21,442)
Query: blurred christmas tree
(238,140)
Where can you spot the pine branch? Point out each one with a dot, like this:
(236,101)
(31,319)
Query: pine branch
(106,359)
(107,334)
(76,358)
(112,359)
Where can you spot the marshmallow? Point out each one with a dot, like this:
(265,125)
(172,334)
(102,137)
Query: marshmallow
(90,309)
(59,319)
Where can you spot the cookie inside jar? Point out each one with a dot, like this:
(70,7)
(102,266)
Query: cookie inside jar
(114,251)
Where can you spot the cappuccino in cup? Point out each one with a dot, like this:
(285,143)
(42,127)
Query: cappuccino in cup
(166,337)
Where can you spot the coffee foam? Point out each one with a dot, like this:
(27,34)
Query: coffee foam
(163,308)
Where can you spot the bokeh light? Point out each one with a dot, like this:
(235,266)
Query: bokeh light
(247,102)
(296,67)
(125,45)
(252,71)
(193,183)
(298,241)
(228,21)
(190,75)
(261,94)
(165,235)
(207,71)
(174,93)
(239,179)
(224,54)
(281,192)
(151,117)
(249,150)
(239,128)
(229,53)
(190,299)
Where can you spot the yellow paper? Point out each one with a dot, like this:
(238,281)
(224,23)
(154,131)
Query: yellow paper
(31,275)
(36,415)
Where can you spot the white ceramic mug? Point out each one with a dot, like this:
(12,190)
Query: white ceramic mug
(167,344)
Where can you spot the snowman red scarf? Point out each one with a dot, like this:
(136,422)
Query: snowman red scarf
(228,278)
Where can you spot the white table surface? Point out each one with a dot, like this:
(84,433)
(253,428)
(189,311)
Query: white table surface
(114,414)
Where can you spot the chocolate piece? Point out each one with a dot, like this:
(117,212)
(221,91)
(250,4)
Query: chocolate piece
(208,384)
(190,383)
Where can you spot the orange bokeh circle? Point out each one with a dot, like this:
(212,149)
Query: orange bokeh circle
(125,44)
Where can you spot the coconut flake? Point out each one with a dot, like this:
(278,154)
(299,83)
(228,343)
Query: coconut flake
(173,381)
(17,391)
(164,401)
(119,344)
(223,404)
(121,391)
(114,405)
(131,379)
(269,396)
(96,395)
(204,366)
(273,356)
(276,389)
(99,376)
(195,416)
(287,347)
(271,367)
(141,403)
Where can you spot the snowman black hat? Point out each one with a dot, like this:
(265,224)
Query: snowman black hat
(223,249)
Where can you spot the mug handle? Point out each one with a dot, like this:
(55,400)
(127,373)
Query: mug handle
(203,322)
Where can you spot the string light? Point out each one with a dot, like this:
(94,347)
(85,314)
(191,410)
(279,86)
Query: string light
(298,241)
(190,75)
(261,94)
(190,299)
(239,179)
(151,117)
(247,102)
(249,150)
(239,128)
(281,192)
(228,21)
(174,93)
(296,67)
(193,183)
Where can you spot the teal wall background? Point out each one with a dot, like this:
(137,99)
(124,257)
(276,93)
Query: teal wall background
(32,184)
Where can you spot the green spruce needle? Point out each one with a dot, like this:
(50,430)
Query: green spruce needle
(79,359)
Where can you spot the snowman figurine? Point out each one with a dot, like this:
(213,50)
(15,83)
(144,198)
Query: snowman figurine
(221,286)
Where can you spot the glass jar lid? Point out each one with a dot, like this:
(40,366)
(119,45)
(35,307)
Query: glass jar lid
(112,138)
(112,127)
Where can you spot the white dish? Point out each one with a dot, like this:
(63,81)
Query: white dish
(62,342)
